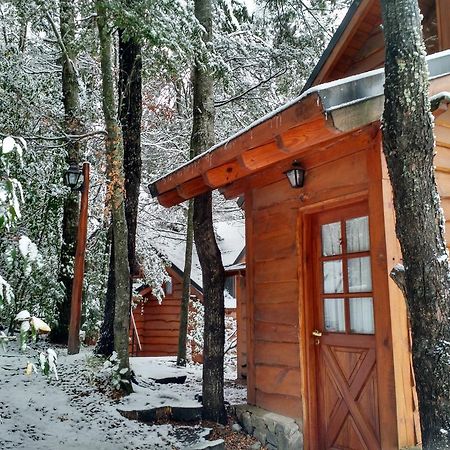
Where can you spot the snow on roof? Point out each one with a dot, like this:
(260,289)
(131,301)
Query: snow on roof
(230,239)
(333,95)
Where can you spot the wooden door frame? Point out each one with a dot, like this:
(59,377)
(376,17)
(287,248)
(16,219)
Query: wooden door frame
(306,310)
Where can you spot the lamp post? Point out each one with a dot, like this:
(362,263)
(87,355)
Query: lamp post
(78,180)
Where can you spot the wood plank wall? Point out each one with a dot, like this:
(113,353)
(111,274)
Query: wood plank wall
(442,164)
(275,368)
(158,324)
(241,313)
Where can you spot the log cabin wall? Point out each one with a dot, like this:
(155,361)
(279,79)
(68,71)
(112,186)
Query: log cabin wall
(442,164)
(275,298)
(241,316)
(158,324)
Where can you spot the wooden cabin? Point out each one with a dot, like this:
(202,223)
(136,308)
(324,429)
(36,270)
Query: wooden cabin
(155,325)
(327,332)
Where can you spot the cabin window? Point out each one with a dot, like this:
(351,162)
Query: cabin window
(230,286)
(168,287)
(331,239)
(361,315)
(359,274)
(334,312)
(346,271)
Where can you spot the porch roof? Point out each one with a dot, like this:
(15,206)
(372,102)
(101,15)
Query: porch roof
(321,114)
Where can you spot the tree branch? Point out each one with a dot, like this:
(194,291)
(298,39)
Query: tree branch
(61,43)
(220,103)
(73,137)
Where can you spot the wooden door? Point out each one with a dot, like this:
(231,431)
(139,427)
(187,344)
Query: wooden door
(344,331)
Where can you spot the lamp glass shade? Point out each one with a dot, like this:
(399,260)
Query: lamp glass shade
(73,177)
(296,176)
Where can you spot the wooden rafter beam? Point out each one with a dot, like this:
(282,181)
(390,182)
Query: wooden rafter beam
(309,109)
(309,158)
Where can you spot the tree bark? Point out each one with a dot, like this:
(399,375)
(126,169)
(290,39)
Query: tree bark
(409,149)
(130,111)
(186,289)
(114,156)
(105,344)
(208,252)
(72,125)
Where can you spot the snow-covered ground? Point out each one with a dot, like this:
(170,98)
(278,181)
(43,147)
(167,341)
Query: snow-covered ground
(42,413)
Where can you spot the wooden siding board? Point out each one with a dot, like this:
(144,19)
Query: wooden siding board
(274,332)
(280,293)
(277,270)
(249,240)
(276,354)
(281,404)
(280,314)
(278,380)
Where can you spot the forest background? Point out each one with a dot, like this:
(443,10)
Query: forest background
(262,53)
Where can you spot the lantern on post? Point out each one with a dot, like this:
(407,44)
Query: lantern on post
(78,180)
(296,175)
(73,177)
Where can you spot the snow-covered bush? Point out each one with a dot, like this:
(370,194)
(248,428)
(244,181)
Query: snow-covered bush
(26,217)
(112,375)
(11,195)
(30,327)
(196,321)
(48,361)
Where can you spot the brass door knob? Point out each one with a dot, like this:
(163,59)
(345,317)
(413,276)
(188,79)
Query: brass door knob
(317,333)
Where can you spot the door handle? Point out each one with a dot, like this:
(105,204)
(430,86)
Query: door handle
(317,333)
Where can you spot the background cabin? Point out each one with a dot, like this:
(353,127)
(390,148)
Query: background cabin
(157,323)
(328,342)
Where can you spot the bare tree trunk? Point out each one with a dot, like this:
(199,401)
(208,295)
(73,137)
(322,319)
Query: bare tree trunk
(130,111)
(105,344)
(409,149)
(116,190)
(186,290)
(72,125)
(208,252)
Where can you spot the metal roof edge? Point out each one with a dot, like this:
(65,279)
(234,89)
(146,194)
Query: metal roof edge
(358,88)
(333,96)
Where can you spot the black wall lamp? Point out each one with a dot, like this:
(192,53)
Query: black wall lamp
(296,175)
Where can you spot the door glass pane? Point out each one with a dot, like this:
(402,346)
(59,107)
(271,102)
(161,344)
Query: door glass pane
(359,274)
(334,314)
(331,239)
(332,277)
(357,233)
(361,315)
